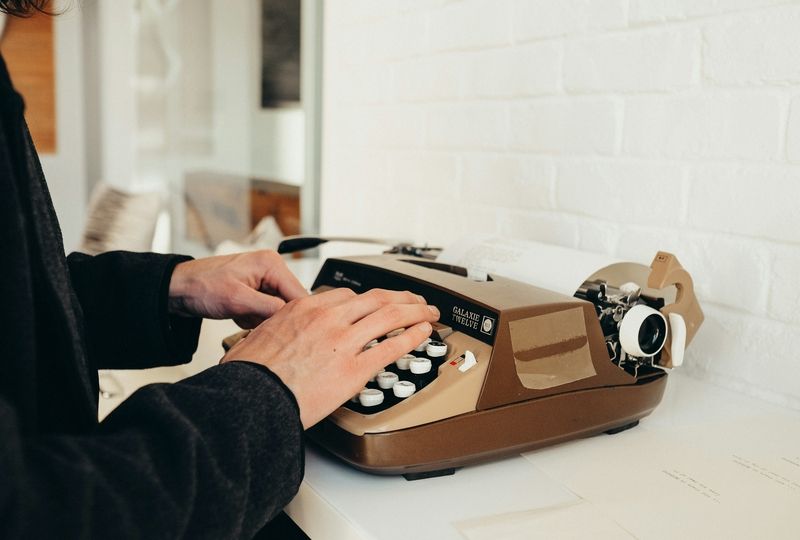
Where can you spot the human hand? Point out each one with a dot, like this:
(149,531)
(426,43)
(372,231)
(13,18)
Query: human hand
(315,344)
(246,287)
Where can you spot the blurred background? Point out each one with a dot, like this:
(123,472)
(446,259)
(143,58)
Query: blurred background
(614,126)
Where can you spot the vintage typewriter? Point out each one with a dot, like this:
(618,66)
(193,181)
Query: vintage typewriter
(510,367)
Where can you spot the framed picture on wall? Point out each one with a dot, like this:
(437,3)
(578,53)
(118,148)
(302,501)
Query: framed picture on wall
(280,53)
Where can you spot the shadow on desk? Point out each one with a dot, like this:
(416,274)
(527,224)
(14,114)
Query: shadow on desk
(283,528)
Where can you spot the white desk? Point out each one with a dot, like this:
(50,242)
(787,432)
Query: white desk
(602,487)
(336,501)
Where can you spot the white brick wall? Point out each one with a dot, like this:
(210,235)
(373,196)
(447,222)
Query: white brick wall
(617,126)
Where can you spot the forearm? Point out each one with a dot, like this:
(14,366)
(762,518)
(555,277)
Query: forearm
(124,298)
(214,456)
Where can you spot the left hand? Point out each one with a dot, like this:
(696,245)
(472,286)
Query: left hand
(246,287)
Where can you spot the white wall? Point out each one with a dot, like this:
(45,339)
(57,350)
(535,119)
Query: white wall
(618,126)
(65,170)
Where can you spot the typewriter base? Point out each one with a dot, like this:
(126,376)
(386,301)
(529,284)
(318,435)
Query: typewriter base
(488,434)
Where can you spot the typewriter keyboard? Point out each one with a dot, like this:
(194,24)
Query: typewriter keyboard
(401,379)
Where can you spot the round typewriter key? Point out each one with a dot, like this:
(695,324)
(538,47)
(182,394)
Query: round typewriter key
(395,333)
(404,361)
(436,349)
(370,344)
(403,389)
(421,347)
(370,397)
(387,379)
(420,366)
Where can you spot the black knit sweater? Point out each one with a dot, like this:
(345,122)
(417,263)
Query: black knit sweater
(213,456)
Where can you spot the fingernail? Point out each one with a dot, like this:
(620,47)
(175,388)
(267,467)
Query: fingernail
(426,327)
(434,310)
(421,299)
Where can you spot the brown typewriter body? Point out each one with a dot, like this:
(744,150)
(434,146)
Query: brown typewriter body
(545,369)
(543,375)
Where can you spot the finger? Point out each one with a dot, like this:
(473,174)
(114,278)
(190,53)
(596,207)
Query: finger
(391,317)
(280,279)
(329,298)
(362,305)
(249,304)
(389,350)
(248,322)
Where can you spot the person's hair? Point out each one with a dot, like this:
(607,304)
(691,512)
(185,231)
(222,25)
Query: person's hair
(24,8)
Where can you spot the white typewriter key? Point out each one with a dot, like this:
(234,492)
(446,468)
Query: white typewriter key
(371,344)
(395,333)
(387,379)
(421,347)
(369,397)
(404,361)
(435,349)
(403,389)
(420,366)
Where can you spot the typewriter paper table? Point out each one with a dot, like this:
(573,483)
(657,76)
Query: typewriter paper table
(708,463)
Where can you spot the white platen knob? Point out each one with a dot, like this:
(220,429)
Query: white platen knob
(436,349)
(420,366)
(643,331)
(369,397)
(421,347)
(395,333)
(387,379)
(404,361)
(403,389)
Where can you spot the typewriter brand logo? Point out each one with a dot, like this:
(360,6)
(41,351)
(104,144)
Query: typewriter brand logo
(470,319)
(341,278)
(487,325)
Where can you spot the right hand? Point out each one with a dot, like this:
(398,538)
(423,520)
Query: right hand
(315,344)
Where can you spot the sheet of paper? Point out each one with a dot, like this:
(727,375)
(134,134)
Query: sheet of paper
(573,520)
(544,265)
(736,479)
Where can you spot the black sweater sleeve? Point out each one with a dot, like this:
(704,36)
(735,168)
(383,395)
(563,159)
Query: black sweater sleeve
(214,456)
(124,297)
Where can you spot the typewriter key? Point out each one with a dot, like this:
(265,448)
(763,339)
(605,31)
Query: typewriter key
(404,361)
(370,344)
(421,347)
(420,366)
(370,397)
(436,349)
(403,389)
(387,379)
(422,374)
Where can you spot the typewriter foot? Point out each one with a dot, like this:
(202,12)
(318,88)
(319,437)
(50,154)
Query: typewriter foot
(620,429)
(429,474)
